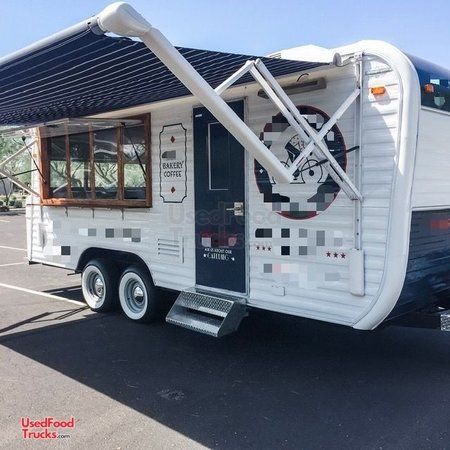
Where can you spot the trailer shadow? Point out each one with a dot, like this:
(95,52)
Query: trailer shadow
(71,293)
(279,382)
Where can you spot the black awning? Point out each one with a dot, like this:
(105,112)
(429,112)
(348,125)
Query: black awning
(84,72)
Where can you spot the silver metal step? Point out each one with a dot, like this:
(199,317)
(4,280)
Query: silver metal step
(207,312)
(445,321)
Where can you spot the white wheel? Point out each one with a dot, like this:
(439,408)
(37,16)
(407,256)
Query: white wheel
(137,295)
(98,285)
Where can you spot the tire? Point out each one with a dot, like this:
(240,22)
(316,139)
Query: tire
(99,285)
(138,295)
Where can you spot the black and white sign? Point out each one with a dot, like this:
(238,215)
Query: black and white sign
(172,163)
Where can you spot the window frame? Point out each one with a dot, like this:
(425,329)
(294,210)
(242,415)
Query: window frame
(120,201)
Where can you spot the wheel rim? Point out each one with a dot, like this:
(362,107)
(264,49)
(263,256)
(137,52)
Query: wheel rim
(94,289)
(98,286)
(133,295)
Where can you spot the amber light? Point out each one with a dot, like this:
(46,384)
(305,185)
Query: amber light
(429,88)
(379,90)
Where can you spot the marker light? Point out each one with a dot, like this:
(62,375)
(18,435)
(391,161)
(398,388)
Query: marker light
(378,90)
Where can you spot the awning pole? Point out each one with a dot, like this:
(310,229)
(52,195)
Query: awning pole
(4,172)
(17,182)
(120,18)
(16,154)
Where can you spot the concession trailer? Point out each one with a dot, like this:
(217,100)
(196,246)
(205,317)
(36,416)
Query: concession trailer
(311,182)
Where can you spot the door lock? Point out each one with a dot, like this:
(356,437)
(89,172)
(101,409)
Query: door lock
(238,208)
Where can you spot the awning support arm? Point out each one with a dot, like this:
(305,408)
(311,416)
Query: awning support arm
(17,182)
(317,146)
(122,19)
(4,172)
(233,78)
(315,140)
(19,173)
(16,154)
(325,129)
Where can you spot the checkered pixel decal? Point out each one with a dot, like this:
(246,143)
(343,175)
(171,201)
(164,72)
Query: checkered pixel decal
(126,234)
(303,248)
(302,275)
(300,242)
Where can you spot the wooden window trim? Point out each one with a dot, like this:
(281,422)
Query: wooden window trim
(44,165)
(148,167)
(91,162)
(120,202)
(68,165)
(120,161)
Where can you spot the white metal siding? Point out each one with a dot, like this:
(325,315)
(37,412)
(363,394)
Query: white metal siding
(166,222)
(332,301)
(431,186)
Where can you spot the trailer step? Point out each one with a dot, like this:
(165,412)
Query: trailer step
(206,312)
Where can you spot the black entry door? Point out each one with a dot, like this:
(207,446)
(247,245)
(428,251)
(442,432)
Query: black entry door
(219,203)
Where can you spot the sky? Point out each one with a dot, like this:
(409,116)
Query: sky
(256,27)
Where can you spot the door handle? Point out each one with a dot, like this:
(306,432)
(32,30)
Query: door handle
(238,208)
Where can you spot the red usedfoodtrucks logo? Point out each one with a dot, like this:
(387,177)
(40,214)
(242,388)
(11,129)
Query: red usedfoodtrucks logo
(46,428)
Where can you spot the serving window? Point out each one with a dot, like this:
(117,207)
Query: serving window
(94,164)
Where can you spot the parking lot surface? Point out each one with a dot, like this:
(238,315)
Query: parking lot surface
(279,382)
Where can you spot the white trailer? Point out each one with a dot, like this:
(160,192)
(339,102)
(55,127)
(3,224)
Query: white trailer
(314,182)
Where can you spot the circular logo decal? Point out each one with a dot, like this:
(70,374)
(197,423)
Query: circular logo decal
(312,190)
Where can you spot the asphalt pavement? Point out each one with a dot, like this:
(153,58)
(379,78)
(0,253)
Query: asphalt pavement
(279,382)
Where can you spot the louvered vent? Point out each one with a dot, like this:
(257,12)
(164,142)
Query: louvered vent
(170,248)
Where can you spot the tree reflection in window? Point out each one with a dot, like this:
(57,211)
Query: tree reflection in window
(135,160)
(105,163)
(58,169)
(80,168)
(105,166)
